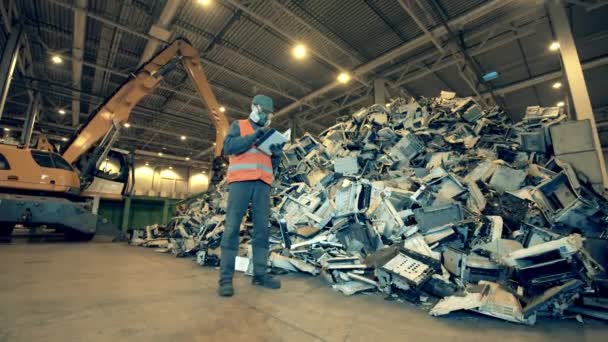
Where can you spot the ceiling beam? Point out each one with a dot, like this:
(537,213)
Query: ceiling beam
(231,48)
(471,16)
(350,53)
(160,29)
(281,33)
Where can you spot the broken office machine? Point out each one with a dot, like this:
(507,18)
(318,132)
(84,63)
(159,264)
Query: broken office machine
(435,201)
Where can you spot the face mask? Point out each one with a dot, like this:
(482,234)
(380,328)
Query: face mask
(258,116)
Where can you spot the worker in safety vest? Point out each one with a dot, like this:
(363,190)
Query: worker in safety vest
(250,176)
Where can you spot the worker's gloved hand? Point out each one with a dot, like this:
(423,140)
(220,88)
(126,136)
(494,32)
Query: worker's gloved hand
(276,149)
(260,132)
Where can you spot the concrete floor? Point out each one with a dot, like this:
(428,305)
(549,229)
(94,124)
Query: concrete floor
(101,291)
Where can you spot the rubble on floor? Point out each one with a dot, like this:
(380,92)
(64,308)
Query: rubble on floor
(435,201)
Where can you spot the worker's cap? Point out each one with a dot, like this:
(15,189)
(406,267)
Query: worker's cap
(264,102)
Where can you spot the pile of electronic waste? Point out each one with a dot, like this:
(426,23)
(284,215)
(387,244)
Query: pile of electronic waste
(439,202)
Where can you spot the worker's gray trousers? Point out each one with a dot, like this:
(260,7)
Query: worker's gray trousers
(240,194)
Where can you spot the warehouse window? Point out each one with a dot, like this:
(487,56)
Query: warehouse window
(43,159)
(4,165)
(60,163)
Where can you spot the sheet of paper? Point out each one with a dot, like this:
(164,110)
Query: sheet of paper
(276,138)
(241,264)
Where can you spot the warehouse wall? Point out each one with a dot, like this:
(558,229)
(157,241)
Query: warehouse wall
(143,211)
(162,181)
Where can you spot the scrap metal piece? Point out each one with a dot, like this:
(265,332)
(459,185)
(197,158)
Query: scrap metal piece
(507,179)
(435,216)
(547,303)
(556,250)
(284,233)
(291,264)
(350,288)
(487,298)
(352,198)
(411,270)
(563,201)
(347,166)
(473,113)
(407,148)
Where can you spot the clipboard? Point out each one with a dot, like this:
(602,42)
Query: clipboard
(272,137)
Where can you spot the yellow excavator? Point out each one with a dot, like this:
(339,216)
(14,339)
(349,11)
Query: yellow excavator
(39,187)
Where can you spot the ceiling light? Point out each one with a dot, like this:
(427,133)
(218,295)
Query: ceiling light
(61,111)
(561,104)
(6,129)
(147,164)
(160,154)
(187,158)
(214,144)
(557,85)
(554,46)
(222,109)
(127,125)
(57,59)
(170,167)
(204,3)
(492,75)
(203,172)
(64,139)
(344,77)
(388,105)
(183,137)
(299,51)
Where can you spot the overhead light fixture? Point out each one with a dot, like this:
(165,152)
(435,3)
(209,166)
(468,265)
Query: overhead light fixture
(222,109)
(6,129)
(490,76)
(561,104)
(557,85)
(203,172)
(388,105)
(183,137)
(344,77)
(160,154)
(147,164)
(170,167)
(56,59)
(214,144)
(299,51)
(64,139)
(187,158)
(204,3)
(61,111)
(554,46)
(127,125)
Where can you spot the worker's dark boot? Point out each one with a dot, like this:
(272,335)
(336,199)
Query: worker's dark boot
(225,289)
(266,281)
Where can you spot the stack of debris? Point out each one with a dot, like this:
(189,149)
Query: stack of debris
(436,201)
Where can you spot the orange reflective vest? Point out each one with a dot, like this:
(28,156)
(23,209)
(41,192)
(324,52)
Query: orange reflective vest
(250,165)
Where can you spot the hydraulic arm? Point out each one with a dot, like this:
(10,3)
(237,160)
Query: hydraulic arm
(115,111)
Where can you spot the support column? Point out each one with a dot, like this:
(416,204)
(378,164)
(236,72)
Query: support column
(165,212)
(96,201)
(8,63)
(126,213)
(576,82)
(30,119)
(380,91)
(293,127)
